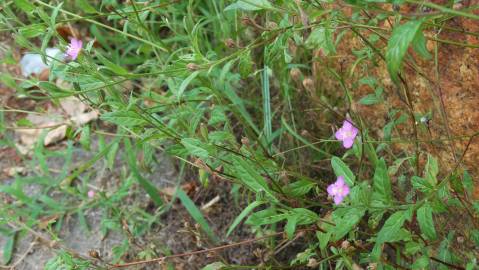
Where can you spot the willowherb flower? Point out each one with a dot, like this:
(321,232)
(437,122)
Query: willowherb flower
(74,48)
(347,133)
(338,190)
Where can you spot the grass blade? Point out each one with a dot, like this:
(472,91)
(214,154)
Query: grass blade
(268,130)
(8,248)
(242,215)
(196,214)
(145,183)
(301,139)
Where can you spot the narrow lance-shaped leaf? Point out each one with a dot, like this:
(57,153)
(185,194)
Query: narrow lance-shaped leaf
(196,214)
(242,215)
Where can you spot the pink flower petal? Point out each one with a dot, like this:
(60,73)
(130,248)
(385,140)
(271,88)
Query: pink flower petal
(340,181)
(338,199)
(77,43)
(347,125)
(344,191)
(74,48)
(354,131)
(339,134)
(333,189)
(348,142)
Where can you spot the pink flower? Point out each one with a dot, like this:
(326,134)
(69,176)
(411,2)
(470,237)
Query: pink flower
(74,48)
(338,190)
(91,194)
(347,133)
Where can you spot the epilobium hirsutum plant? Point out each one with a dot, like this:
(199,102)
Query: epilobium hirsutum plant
(248,92)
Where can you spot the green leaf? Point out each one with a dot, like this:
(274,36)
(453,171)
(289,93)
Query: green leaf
(54,90)
(369,99)
(267,108)
(413,248)
(475,236)
(33,30)
(217,115)
(299,188)
(124,118)
(251,178)
(264,217)
(421,263)
(290,227)
(467,183)
(391,227)
(85,139)
(419,45)
(321,37)
(214,266)
(185,83)
(150,189)
(346,219)
(221,137)
(249,5)
(196,214)
(112,66)
(8,248)
(323,239)
(398,45)
(432,169)
(300,138)
(426,222)
(381,182)
(8,80)
(194,147)
(85,6)
(24,5)
(341,169)
(421,184)
(54,15)
(242,215)
(304,216)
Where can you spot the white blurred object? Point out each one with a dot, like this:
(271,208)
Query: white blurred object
(31,63)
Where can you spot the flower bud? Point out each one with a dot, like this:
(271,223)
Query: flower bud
(308,83)
(246,21)
(312,263)
(230,43)
(295,74)
(345,244)
(192,66)
(271,25)
(245,141)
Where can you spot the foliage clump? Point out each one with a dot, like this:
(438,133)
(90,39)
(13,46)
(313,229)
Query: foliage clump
(253,93)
